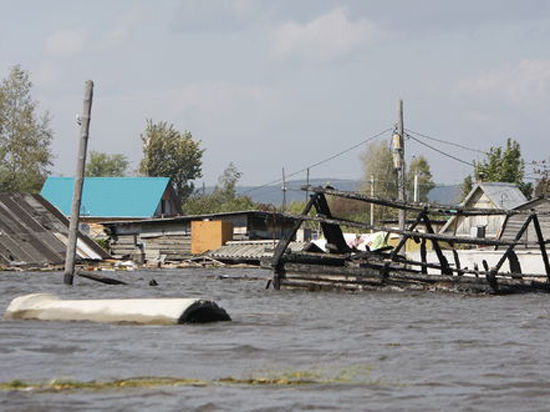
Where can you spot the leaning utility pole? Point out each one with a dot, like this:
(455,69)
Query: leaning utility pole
(399,161)
(78,181)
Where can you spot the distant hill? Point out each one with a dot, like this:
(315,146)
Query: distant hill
(274,195)
(446,194)
(442,194)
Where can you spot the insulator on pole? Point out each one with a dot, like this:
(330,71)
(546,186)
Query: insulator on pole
(396,142)
(397,160)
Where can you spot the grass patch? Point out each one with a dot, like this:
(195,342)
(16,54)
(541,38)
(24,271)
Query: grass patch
(352,374)
(15,384)
(356,374)
(59,385)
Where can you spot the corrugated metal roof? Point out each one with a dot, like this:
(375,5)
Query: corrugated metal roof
(188,218)
(33,231)
(253,250)
(504,195)
(513,223)
(136,197)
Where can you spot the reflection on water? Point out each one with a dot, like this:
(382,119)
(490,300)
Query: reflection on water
(360,351)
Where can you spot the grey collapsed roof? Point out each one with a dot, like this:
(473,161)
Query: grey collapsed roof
(32,231)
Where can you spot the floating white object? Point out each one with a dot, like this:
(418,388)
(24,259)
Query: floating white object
(43,306)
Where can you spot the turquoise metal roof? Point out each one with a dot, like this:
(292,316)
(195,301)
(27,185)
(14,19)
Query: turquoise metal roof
(108,196)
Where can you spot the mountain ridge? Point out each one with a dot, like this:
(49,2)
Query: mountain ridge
(442,193)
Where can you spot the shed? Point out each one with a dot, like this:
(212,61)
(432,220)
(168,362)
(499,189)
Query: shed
(513,223)
(114,199)
(32,231)
(486,195)
(172,237)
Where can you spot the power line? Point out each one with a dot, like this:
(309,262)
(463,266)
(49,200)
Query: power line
(349,149)
(441,151)
(446,142)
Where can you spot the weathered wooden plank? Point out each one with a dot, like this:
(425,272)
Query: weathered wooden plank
(510,248)
(397,204)
(445,270)
(430,236)
(540,239)
(423,256)
(310,277)
(332,232)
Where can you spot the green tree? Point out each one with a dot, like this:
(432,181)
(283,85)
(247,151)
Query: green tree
(419,166)
(542,170)
(297,207)
(501,165)
(170,153)
(378,173)
(25,136)
(223,198)
(467,186)
(227,182)
(103,164)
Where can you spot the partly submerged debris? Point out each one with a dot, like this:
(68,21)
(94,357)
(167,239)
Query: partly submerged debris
(33,234)
(343,267)
(42,306)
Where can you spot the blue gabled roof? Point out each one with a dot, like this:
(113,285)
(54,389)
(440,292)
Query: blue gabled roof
(108,196)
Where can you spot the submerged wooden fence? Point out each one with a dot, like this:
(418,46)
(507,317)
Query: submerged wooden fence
(344,267)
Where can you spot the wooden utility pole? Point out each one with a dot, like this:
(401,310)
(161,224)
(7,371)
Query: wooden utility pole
(372,204)
(401,169)
(284,191)
(78,181)
(416,195)
(307,184)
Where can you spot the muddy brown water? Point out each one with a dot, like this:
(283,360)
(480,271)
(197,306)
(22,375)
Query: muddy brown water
(366,351)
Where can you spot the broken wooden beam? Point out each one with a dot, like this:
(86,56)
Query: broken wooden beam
(430,236)
(542,245)
(432,208)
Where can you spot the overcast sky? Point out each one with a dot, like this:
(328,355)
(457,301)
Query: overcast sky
(268,84)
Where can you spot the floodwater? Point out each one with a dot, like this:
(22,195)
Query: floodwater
(366,351)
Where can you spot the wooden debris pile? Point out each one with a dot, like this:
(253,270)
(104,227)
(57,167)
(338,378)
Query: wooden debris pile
(342,267)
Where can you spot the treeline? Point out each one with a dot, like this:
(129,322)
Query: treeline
(26,156)
(26,159)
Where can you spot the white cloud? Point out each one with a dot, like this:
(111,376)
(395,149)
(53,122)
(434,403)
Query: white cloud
(529,80)
(124,25)
(219,16)
(323,38)
(212,99)
(46,73)
(66,42)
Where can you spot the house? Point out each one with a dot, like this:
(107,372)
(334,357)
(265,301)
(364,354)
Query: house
(513,223)
(114,199)
(34,232)
(485,195)
(173,237)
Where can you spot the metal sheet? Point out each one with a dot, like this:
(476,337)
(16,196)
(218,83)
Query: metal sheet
(32,231)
